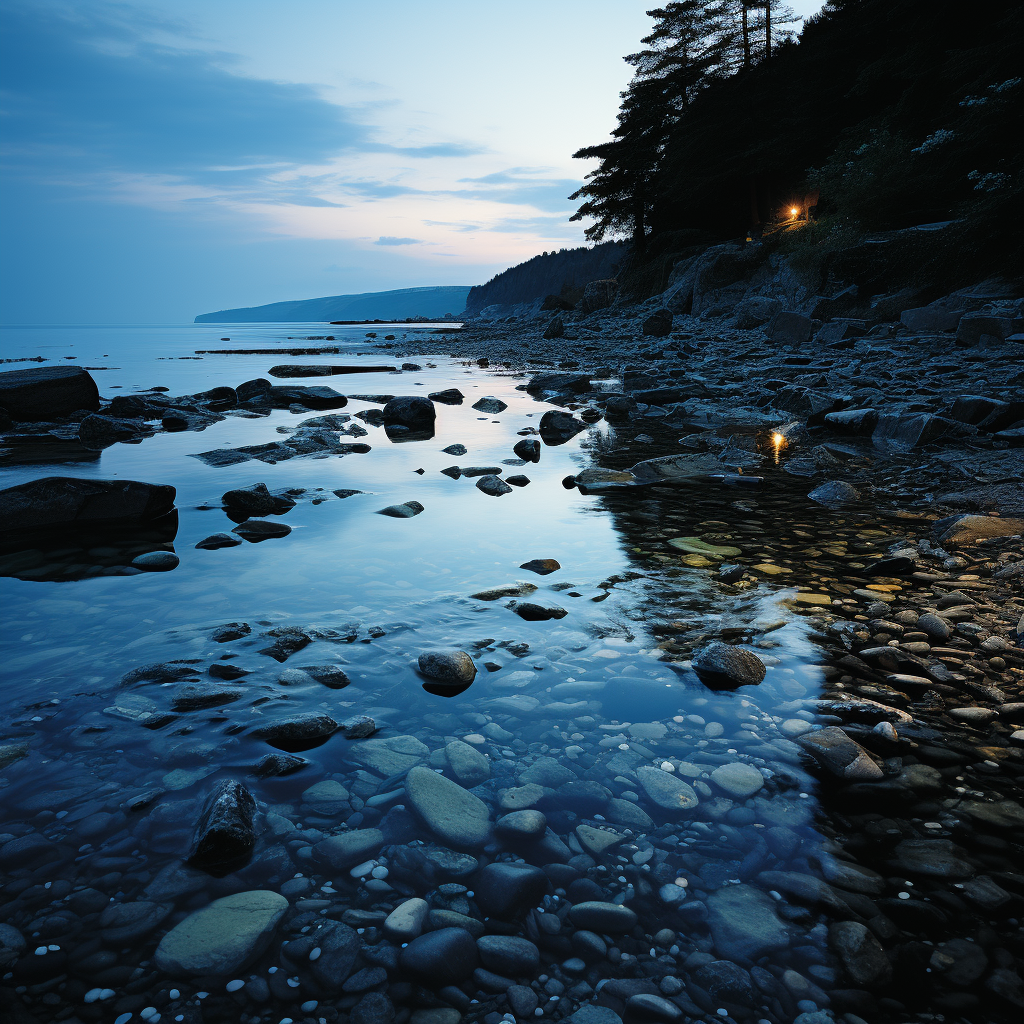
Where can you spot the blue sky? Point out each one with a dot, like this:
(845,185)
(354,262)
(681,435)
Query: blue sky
(171,157)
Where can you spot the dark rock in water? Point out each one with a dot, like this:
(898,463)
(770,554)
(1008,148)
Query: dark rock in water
(964,529)
(443,957)
(453,814)
(311,397)
(472,471)
(47,392)
(256,500)
(835,494)
(490,404)
(528,449)
(410,412)
(508,955)
(840,755)
(65,501)
(517,480)
(332,676)
(161,672)
(255,530)
(937,628)
(620,407)
(124,923)
(744,923)
(900,432)
(721,666)
(861,953)
(724,980)
(374,1007)
(406,510)
(554,329)
(273,765)
(493,485)
(339,947)
(225,670)
(156,561)
(559,427)
(219,540)
(287,641)
(569,482)
(658,324)
(563,383)
(450,396)
(609,918)
(97,432)
(541,566)
(455,449)
(509,890)
(221,457)
(852,421)
(301,732)
(196,696)
(729,573)
(454,667)
(934,858)
(452,471)
(345,492)
(647,1008)
(358,727)
(230,631)
(533,611)
(224,836)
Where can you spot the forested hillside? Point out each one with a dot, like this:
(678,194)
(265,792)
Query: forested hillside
(879,115)
(565,273)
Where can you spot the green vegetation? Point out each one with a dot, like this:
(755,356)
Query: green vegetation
(882,115)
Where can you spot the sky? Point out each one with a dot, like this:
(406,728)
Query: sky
(164,158)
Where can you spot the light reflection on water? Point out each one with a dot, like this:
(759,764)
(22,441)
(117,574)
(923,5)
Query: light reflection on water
(388,588)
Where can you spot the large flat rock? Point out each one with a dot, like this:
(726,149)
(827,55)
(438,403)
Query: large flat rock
(452,813)
(47,392)
(64,501)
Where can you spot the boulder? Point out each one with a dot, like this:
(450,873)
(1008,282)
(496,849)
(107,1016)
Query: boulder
(839,754)
(97,432)
(904,431)
(455,667)
(562,383)
(528,449)
(256,500)
(406,510)
(835,494)
(47,392)
(66,501)
(792,328)
(509,890)
(554,329)
(931,319)
(658,324)
(599,295)
(346,849)
(861,953)
(410,412)
(450,396)
(852,421)
(559,427)
(973,327)
(222,938)
(224,836)
(722,666)
(439,958)
(744,923)
(967,530)
(493,485)
(490,404)
(666,789)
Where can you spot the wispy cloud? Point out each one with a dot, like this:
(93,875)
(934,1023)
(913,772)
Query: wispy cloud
(390,240)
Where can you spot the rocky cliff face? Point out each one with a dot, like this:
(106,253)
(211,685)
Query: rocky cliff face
(547,274)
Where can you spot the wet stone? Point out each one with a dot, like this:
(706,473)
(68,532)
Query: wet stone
(443,957)
(455,667)
(738,780)
(721,666)
(603,917)
(666,790)
(449,811)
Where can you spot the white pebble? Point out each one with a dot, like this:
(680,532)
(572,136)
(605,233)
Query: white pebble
(124,1018)
(40,951)
(235,985)
(148,1013)
(309,1006)
(314,954)
(174,994)
(379,872)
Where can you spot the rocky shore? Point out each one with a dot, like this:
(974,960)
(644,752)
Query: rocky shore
(811,812)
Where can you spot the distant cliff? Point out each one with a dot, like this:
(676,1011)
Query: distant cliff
(394,305)
(548,274)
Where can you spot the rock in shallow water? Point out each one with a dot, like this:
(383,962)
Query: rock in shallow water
(738,780)
(224,836)
(454,815)
(47,392)
(597,916)
(406,510)
(861,953)
(493,485)
(224,937)
(443,957)
(256,530)
(744,923)
(666,790)
(721,666)
(509,890)
(219,540)
(347,849)
(455,667)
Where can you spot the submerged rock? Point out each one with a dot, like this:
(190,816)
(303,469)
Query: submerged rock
(224,937)
(559,427)
(493,485)
(744,923)
(256,530)
(443,957)
(454,815)
(842,756)
(256,500)
(835,494)
(666,789)
(219,540)
(300,732)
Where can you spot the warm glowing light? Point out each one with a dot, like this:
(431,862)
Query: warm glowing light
(777,439)
(794,210)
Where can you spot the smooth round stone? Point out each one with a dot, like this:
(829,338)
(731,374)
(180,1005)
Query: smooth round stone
(521,824)
(666,790)
(224,937)
(508,955)
(738,780)
(443,957)
(455,667)
(610,918)
(793,727)
(156,561)
(219,540)
(507,890)
(449,811)
(644,1007)
(672,893)
(936,858)
(469,766)
(936,627)
(405,922)
(521,797)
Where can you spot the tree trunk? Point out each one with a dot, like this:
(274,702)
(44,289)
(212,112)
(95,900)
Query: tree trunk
(746,36)
(768,30)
